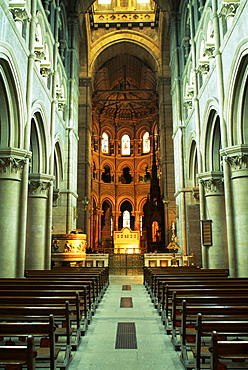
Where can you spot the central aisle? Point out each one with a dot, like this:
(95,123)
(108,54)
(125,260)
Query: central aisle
(97,349)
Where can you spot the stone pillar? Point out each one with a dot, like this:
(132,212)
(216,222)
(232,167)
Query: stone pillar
(36,246)
(12,162)
(84,153)
(237,158)
(217,254)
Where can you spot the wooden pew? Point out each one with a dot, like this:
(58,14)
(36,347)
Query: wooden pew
(158,281)
(205,327)
(188,322)
(179,326)
(50,290)
(175,284)
(53,284)
(194,290)
(32,314)
(52,301)
(227,350)
(19,355)
(151,274)
(101,274)
(50,293)
(46,356)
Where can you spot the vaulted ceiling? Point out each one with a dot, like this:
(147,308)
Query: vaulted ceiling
(125,87)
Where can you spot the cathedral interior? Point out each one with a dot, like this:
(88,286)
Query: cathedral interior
(122,114)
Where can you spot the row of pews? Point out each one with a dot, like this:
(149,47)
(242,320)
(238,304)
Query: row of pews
(44,315)
(205,312)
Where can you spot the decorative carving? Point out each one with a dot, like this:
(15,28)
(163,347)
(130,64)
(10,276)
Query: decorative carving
(45,69)
(39,54)
(213,185)
(56,195)
(209,51)
(187,103)
(203,67)
(239,162)
(39,187)
(19,14)
(229,8)
(195,193)
(11,165)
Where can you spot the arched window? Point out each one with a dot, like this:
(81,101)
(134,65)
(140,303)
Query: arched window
(126,178)
(146,143)
(105,143)
(125,145)
(106,175)
(126,219)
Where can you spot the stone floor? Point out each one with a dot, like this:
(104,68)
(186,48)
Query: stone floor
(97,349)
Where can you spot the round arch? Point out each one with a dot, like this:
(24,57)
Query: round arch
(142,48)
(12,97)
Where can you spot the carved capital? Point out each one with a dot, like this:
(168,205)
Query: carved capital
(238,162)
(61,105)
(56,195)
(45,69)
(229,8)
(39,54)
(12,162)
(212,182)
(19,14)
(203,67)
(187,104)
(213,186)
(39,185)
(12,165)
(209,51)
(195,193)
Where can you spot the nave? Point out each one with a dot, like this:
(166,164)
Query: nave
(154,347)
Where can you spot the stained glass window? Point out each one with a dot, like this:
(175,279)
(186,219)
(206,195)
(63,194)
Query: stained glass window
(146,143)
(125,145)
(126,219)
(105,143)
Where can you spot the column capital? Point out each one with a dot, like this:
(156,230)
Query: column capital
(213,182)
(39,185)
(12,161)
(229,8)
(237,158)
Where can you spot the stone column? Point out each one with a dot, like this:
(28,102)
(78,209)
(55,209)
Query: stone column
(36,246)
(217,254)
(237,158)
(12,162)
(84,153)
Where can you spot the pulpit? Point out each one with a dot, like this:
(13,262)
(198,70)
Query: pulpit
(67,248)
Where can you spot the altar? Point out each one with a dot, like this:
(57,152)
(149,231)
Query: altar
(126,241)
